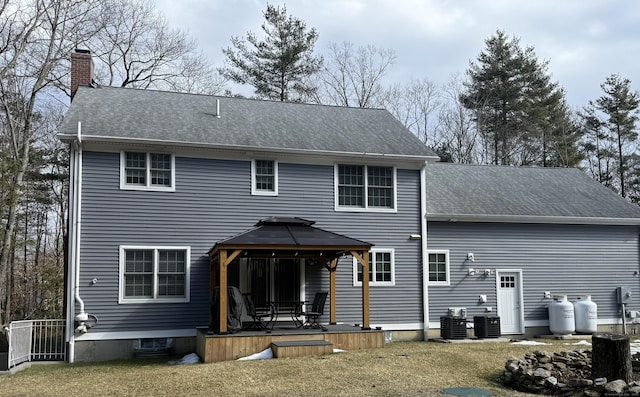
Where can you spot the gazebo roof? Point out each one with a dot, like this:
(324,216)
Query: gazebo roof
(281,236)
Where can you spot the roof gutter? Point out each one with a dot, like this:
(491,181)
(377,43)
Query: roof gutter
(209,146)
(567,220)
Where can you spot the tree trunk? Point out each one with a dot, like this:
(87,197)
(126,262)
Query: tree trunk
(611,357)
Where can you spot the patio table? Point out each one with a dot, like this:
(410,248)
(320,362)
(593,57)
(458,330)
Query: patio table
(288,308)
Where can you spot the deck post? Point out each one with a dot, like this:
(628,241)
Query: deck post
(332,291)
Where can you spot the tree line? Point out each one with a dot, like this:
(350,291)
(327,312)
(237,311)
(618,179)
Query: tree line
(504,110)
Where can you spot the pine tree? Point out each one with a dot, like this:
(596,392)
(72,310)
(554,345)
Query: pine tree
(278,66)
(620,108)
(516,105)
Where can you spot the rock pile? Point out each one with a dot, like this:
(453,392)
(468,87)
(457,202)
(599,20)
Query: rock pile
(565,374)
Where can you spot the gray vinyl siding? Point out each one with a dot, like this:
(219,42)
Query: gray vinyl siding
(213,201)
(563,259)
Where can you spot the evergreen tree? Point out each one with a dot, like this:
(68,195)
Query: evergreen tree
(278,66)
(516,105)
(620,108)
(597,146)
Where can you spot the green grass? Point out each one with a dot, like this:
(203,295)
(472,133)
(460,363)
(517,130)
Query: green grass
(400,369)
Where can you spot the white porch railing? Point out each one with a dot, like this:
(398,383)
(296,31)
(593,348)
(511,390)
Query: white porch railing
(36,340)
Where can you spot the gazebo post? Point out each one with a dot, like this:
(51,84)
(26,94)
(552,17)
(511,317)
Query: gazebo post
(365,290)
(332,291)
(363,258)
(222,292)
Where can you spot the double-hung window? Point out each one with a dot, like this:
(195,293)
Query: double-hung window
(264,177)
(154,274)
(381,268)
(439,267)
(147,171)
(365,188)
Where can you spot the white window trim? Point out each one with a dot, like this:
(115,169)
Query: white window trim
(448,265)
(148,186)
(258,192)
(155,299)
(366,207)
(373,283)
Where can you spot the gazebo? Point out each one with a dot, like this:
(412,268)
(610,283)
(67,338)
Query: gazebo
(281,237)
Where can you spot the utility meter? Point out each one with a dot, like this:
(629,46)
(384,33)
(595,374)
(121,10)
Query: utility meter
(624,295)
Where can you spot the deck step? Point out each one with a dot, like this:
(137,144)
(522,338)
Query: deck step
(300,348)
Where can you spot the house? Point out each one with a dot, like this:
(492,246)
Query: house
(169,189)
(159,178)
(509,239)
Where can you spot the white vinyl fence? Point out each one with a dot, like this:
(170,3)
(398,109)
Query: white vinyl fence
(36,340)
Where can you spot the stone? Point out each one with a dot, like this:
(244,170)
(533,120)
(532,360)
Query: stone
(600,381)
(512,367)
(580,382)
(564,374)
(542,373)
(544,359)
(617,386)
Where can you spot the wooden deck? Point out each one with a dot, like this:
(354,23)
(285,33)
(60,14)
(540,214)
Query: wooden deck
(214,348)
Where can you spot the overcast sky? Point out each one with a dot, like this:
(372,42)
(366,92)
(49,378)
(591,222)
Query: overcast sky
(584,41)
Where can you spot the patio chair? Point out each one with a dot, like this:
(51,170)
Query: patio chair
(317,310)
(262,316)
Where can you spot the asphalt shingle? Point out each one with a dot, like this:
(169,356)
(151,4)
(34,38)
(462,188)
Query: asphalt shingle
(472,191)
(125,113)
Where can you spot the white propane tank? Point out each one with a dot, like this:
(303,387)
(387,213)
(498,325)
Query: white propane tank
(561,316)
(586,312)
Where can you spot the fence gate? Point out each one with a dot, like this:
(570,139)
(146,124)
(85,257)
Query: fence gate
(36,340)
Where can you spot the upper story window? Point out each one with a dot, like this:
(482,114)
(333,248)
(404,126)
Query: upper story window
(154,274)
(365,188)
(147,171)
(438,267)
(381,268)
(264,177)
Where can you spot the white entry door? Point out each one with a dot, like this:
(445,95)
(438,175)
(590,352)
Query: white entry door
(509,300)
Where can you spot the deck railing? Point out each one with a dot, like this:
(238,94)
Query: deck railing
(36,340)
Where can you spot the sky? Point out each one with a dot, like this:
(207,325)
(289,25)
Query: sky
(584,41)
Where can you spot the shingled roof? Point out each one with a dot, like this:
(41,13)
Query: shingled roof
(273,235)
(125,114)
(522,194)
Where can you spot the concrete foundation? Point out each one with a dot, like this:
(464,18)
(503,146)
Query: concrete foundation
(105,350)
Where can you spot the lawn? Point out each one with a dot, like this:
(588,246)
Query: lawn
(400,369)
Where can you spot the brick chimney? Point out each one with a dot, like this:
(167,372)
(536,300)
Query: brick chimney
(81,70)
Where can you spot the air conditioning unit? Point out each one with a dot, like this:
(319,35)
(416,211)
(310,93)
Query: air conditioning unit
(486,326)
(453,327)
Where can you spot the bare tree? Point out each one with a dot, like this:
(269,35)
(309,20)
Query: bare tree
(36,35)
(415,105)
(456,127)
(135,47)
(353,76)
